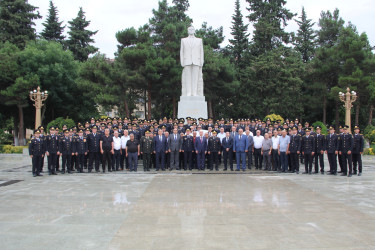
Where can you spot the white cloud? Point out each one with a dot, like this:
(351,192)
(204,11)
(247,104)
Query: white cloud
(110,16)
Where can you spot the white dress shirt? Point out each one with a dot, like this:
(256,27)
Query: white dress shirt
(221,136)
(275,142)
(124,140)
(117,143)
(258,141)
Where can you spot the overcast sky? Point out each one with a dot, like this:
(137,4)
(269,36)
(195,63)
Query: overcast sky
(110,16)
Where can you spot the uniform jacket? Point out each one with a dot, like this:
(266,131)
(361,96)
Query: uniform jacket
(358,144)
(188,143)
(214,144)
(37,147)
(295,143)
(331,143)
(308,144)
(52,144)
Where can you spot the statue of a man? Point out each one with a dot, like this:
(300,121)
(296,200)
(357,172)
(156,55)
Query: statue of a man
(192,58)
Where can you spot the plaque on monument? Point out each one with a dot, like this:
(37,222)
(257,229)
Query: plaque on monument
(192,101)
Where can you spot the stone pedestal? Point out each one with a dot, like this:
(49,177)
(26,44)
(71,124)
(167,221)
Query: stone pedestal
(193,106)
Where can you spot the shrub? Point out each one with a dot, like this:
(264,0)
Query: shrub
(59,122)
(9,149)
(274,118)
(321,124)
(369,133)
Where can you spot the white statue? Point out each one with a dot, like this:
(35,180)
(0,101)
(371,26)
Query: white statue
(192,58)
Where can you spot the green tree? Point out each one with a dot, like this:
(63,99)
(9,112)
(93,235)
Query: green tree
(239,43)
(269,19)
(79,41)
(17,22)
(305,40)
(53,29)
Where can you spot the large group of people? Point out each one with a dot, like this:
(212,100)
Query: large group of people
(203,144)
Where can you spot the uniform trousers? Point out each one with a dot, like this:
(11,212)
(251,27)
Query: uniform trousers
(320,157)
(308,163)
(188,158)
(294,161)
(332,159)
(357,159)
(94,156)
(37,164)
(147,164)
(347,161)
(52,160)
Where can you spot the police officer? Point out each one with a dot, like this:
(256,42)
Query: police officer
(345,149)
(214,147)
(66,151)
(146,148)
(52,147)
(188,149)
(357,151)
(332,147)
(93,143)
(36,152)
(80,150)
(308,147)
(319,150)
(295,149)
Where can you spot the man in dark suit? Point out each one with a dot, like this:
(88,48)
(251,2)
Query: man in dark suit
(200,150)
(214,148)
(240,147)
(160,149)
(52,147)
(319,150)
(227,144)
(36,152)
(250,149)
(175,145)
(66,148)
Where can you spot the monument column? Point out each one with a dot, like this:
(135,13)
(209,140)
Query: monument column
(192,101)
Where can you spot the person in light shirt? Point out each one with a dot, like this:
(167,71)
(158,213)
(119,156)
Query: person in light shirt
(258,143)
(117,145)
(275,155)
(124,159)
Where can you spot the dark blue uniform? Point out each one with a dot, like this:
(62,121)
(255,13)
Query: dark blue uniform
(308,148)
(227,144)
(80,149)
(357,150)
(188,148)
(345,146)
(52,147)
(295,149)
(66,148)
(332,146)
(37,150)
(319,155)
(93,144)
(214,147)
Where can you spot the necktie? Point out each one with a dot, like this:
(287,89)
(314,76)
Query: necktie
(240,137)
(160,138)
(201,139)
(175,137)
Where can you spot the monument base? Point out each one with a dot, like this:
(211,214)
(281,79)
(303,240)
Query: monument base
(193,106)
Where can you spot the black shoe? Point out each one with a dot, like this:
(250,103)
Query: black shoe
(81,171)
(54,173)
(355,172)
(103,171)
(90,171)
(334,173)
(359,174)
(237,170)
(135,170)
(108,170)
(342,174)
(98,171)
(157,169)
(49,173)
(329,173)
(163,170)
(305,173)
(231,169)
(322,172)
(310,173)
(297,172)
(350,175)
(35,175)
(148,170)
(224,169)
(243,170)
(63,171)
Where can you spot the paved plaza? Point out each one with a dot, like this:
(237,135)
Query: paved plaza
(185,210)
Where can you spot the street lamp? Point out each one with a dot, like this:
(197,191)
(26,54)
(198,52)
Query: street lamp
(38,97)
(348,98)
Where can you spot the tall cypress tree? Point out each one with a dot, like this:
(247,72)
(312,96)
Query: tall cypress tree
(80,38)
(53,29)
(239,43)
(305,40)
(16,22)
(269,18)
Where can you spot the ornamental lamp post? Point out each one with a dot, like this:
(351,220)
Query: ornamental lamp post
(348,98)
(38,98)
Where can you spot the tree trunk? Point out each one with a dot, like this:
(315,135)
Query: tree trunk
(149,100)
(370,114)
(126,109)
(21,132)
(145,103)
(174,106)
(15,132)
(337,115)
(325,110)
(43,113)
(209,108)
(357,107)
